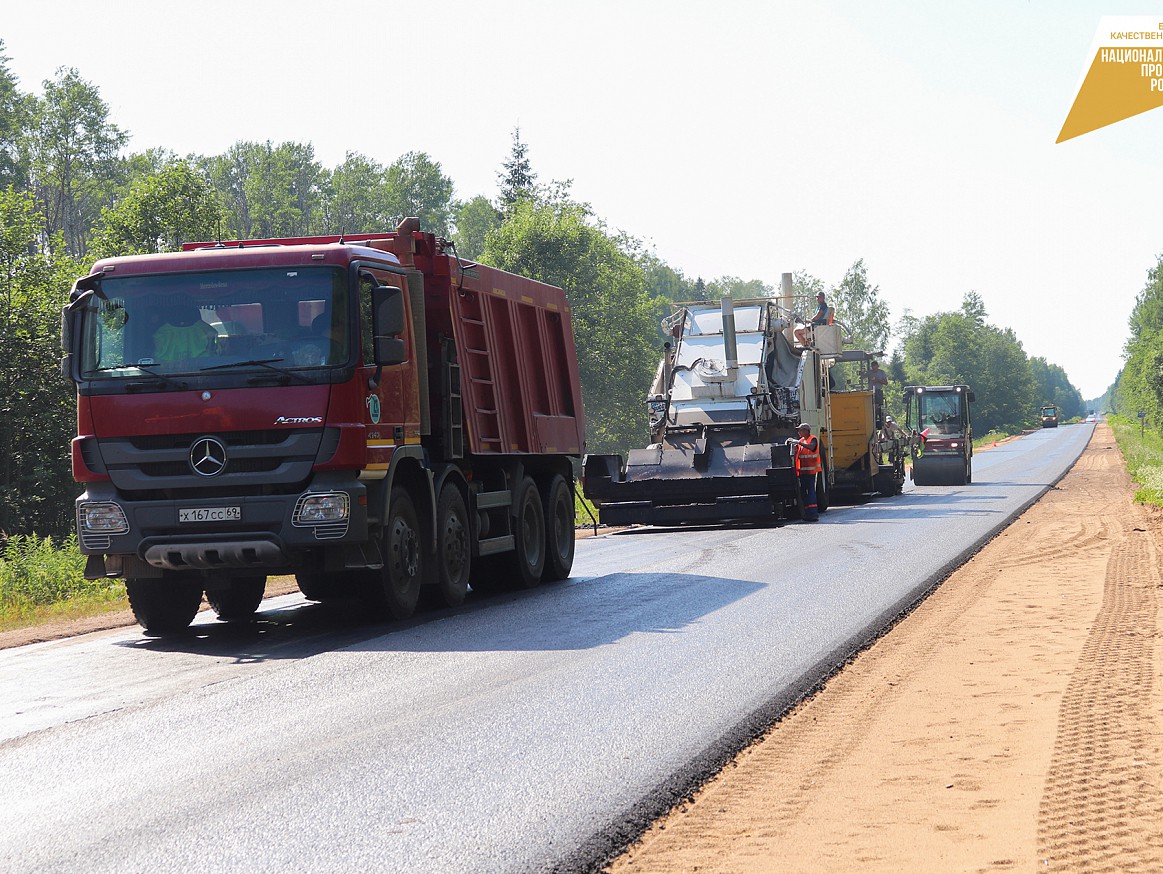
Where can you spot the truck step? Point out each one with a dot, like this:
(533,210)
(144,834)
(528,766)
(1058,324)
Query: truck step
(491,500)
(493,545)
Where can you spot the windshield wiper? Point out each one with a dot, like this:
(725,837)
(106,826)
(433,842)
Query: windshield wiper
(260,362)
(158,377)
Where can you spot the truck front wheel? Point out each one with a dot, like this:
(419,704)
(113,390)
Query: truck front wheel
(401,577)
(240,601)
(164,606)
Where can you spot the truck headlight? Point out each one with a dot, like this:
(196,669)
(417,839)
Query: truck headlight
(102,518)
(321,508)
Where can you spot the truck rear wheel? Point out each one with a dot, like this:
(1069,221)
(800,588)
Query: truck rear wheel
(527,560)
(239,602)
(453,547)
(164,606)
(401,577)
(559,530)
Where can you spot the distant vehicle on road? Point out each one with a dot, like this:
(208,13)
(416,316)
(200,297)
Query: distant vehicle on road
(1049,416)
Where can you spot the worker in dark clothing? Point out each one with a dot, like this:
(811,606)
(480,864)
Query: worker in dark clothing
(806,453)
(822,317)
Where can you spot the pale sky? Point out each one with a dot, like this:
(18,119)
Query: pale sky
(735,138)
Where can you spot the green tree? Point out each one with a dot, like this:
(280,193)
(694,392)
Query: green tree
(162,210)
(475,220)
(355,199)
(517,179)
(416,186)
(268,190)
(14,119)
(668,284)
(860,309)
(36,405)
(1139,387)
(737,289)
(613,313)
(74,157)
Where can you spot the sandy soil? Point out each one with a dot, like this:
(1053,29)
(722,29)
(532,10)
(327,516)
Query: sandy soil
(1014,721)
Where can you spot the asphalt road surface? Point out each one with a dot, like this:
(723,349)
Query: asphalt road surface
(527,732)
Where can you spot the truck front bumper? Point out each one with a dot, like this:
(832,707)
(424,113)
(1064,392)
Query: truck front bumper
(265,533)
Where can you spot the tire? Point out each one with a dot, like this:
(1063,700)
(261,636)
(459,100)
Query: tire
(453,548)
(968,471)
(558,510)
(527,560)
(164,606)
(240,602)
(823,497)
(397,587)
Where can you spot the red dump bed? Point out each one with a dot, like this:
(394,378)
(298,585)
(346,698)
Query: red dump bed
(520,387)
(518,365)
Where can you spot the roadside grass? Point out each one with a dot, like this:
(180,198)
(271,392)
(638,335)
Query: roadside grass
(1143,454)
(584,512)
(990,438)
(40,580)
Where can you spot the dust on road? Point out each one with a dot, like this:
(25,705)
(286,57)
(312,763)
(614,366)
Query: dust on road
(1013,721)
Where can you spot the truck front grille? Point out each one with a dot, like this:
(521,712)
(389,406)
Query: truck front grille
(257,462)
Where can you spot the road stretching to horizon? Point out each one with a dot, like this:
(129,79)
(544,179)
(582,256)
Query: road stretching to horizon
(522,732)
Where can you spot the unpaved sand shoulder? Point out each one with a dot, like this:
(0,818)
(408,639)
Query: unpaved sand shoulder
(1011,722)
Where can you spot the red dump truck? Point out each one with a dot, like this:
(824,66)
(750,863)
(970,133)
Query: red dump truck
(367,412)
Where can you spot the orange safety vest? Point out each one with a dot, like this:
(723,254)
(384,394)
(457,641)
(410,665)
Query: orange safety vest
(808,460)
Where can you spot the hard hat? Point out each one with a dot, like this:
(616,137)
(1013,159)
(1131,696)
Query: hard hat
(804,426)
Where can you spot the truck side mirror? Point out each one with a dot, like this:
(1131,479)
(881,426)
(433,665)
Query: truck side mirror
(67,318)
(66,329)
(971,397)
(389,324)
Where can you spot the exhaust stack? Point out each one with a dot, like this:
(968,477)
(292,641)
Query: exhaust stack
(730,349)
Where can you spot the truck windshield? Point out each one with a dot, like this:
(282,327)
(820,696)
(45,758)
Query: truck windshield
(190,322)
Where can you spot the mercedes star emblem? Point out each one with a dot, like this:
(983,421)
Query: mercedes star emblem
(208,456)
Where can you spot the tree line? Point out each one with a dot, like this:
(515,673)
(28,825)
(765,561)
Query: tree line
(1138,388)
(71,192)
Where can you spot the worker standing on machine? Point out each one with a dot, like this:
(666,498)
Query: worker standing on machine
(806,451)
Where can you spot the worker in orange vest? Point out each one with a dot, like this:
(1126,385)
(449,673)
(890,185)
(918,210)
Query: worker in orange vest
(806,451)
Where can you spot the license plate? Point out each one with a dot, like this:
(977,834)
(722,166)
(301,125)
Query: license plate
(210,514)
